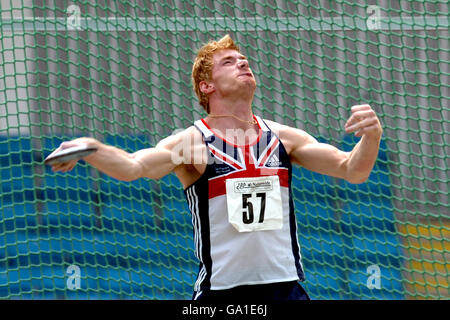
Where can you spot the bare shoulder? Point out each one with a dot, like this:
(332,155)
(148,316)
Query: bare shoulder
(282,128)
(188,152)
(274,126)
(179,137)
(291,137)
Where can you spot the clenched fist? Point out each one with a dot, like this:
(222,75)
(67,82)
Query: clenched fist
(364,121)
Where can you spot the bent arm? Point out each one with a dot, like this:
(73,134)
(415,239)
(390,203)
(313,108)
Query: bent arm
(361,159)
(354,166)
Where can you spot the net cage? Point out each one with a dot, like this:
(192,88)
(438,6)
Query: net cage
(120,71)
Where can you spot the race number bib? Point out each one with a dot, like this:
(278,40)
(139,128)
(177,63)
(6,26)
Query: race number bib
(254,204)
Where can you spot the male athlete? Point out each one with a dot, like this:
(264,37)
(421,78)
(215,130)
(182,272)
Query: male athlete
(236,171)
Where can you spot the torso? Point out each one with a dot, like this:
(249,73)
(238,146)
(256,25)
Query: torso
(224,229)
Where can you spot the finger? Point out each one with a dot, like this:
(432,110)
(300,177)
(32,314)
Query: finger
(62,146)
(58,167)
(67,144)
(72,143)
(67,167)
(363,113)
(360,107)
(366,130)
(72,165)
(360,125)
(359,116)
(64,166)
(352,120)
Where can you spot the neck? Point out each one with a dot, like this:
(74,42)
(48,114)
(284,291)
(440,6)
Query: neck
(250,122)
(234,119)
(241,108)
(229,118)
(234,129)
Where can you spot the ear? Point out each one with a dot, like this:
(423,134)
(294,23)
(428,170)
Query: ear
(206,87)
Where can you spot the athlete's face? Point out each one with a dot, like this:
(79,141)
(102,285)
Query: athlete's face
(231,72)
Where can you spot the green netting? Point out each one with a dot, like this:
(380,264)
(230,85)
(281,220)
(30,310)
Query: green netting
(119,71)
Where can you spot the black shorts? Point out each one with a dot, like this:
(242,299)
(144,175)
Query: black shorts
(280,291)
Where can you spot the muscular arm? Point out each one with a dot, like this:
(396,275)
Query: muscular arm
(152,163)
(354,166)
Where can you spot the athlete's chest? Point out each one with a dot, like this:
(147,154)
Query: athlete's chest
(267,152)
(216,155)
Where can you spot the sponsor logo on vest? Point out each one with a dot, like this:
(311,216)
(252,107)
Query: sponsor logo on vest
(273,162)
(253,186)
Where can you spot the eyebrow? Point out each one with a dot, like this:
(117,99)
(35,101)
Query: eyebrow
(231,57)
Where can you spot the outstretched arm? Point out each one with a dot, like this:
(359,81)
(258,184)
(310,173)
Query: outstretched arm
(354,166)
(152,163)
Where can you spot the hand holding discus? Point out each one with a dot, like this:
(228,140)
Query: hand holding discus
(66,156)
